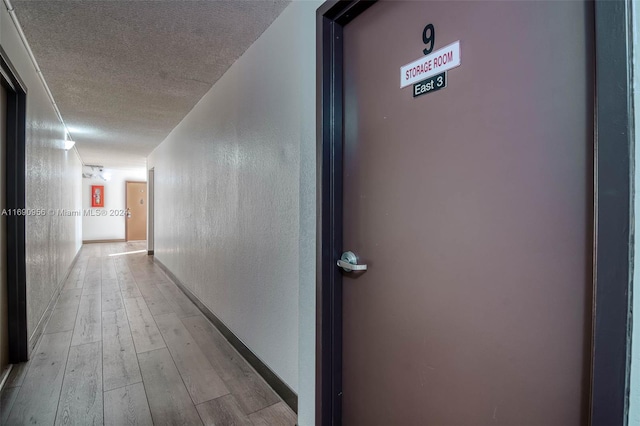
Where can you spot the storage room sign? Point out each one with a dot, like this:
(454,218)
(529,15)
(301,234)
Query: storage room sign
(429,73)
(433,64)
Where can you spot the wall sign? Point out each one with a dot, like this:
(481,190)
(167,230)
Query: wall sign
(433,64)
(97,195)
(429,38)
(429,85)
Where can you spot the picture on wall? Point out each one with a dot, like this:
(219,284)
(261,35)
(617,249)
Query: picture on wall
(97,195)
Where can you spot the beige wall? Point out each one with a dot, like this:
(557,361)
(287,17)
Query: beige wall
(53,182)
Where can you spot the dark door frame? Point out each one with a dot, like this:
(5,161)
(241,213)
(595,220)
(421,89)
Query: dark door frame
(15,178)
(613,147)
(151,173)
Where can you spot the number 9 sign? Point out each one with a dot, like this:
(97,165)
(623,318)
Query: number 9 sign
(429,38)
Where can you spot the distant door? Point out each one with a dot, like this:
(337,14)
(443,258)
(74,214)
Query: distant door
(472,208)
(4,306)
(150,202)
(137,211)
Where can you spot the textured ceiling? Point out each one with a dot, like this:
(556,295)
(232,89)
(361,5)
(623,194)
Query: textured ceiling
(124,73)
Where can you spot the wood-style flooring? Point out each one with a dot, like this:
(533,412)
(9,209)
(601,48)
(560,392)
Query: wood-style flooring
(124,346)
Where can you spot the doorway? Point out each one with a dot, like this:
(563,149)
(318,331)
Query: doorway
(4,298)
(150,197)
(13,288)
(136,220)
(466,203)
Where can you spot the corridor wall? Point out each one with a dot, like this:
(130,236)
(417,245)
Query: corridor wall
(235,200)
(53,183)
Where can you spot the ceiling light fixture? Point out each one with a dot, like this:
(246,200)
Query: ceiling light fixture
(68,145)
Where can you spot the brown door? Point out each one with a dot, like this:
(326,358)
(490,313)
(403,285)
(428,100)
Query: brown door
(136,211)
(471,206)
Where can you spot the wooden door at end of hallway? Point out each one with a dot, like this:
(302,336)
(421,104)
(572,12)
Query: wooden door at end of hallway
(136,211)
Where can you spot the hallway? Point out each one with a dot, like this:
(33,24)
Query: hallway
(319,213)
(124,345)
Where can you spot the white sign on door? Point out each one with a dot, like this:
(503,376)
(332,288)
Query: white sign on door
(435,63)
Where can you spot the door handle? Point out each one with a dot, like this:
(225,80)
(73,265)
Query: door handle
(349,262)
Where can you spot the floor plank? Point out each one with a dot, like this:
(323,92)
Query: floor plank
(37,400)
(73,283)
(17,375)
(146,335)
(112,301)
(110,285)
(7,398)
(108,269)
(76,276)
(92,274)
(69,298)
(277,414)
(143,273)
(81,395)
(155,299)
(62,319)
(120,363)
(217,349)
(127,406)
(92,287)
(204,385)
(181,305)
(223,411)
(123,273)
(108,329)
(169,400)
(129,289)
(250,390)
(88,327)
(202,382)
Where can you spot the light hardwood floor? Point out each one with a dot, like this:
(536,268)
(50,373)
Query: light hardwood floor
(124,346)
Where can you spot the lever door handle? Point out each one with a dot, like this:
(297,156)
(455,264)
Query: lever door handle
(349,262)
(349,267)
